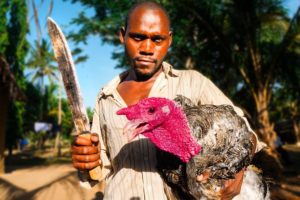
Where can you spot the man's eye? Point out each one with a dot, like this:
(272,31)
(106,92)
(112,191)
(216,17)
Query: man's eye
(157,39)
(137,38)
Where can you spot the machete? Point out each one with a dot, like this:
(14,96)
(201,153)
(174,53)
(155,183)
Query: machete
(67,69)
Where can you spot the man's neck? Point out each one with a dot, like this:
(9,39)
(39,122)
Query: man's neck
(132,90)
(134,76)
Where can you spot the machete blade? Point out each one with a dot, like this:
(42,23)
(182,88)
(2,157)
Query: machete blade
(67,69)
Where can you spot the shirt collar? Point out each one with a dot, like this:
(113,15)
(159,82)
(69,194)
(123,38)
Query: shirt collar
(169,71)
(112,85)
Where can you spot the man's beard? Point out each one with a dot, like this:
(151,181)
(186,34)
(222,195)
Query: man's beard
(139,75)
(143,77)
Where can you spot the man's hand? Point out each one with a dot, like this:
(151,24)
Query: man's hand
(231,187)
(85,151)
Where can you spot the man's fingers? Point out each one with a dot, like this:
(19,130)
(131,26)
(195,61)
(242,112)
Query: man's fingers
(86,158)
(203,177)
(237,181)
(86,139)
(227,183)
(94,138)
(84,150)
(86,166)
(232,187)
(81,140)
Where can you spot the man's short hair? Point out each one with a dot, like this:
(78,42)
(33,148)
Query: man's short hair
(151,5)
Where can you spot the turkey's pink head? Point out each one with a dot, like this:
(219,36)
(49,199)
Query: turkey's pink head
(164,123)
(146,115)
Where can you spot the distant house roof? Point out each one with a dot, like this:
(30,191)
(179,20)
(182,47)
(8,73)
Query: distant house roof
(9,82)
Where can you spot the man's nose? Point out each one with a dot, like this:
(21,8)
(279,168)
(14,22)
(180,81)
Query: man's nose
(147,47)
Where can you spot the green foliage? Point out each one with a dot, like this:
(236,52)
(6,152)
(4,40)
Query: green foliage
(78,56)
(32,107)
(43,63)
(90,113)
(4,7)
(17,29)
(109,17)
(214,37)
(14,124)
(247,48)
(51,110)
(36,138)
(14,51)
(14,48)
(67,122)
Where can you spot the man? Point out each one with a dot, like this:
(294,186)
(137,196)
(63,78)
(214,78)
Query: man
(130,168)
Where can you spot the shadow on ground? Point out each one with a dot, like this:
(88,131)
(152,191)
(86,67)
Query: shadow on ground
(36,175)
(283,178)
(289,187)
(23,160)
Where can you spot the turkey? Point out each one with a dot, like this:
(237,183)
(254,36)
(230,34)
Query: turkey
(195,139)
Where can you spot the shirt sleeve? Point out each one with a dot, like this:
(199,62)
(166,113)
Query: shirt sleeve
(85,181)
(209,93)
(97,127)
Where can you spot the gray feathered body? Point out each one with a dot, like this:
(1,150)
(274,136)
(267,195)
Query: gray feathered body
(226,149)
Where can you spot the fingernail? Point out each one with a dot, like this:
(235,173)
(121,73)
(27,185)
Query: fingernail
(200,177)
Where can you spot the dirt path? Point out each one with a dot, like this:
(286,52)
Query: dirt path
(38,175)
(289,186)
(52,182)
(38,179)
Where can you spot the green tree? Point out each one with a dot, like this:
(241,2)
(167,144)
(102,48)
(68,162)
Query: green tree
(240,45)
(42,62)
(15,52)
(32,107)
(4,9)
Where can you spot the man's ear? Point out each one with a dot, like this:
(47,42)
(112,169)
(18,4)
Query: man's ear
(170,38)
(122,34)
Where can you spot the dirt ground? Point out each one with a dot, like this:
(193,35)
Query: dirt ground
(289,185)
(38,175)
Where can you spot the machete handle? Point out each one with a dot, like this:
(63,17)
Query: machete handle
(95,173)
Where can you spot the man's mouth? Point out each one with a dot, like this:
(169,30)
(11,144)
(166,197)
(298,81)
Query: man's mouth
(145,60)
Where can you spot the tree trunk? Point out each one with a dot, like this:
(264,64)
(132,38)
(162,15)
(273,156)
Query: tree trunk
(3,116)
(296,127)
(294,109)
(265,127)
(268,159)
(57,147)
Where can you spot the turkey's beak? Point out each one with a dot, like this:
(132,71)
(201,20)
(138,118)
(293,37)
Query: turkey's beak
(133,128)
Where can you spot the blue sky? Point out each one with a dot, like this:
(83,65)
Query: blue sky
(99,68)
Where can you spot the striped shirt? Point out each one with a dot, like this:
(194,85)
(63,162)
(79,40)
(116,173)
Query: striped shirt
(129,169)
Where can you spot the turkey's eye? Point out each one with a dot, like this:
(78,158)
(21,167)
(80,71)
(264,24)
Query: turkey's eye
(151,110)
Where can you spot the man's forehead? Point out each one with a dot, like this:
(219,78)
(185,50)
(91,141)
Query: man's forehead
(142,16)
(148,13)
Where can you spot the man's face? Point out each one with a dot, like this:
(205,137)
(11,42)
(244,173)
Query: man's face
(146,40)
